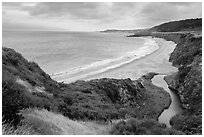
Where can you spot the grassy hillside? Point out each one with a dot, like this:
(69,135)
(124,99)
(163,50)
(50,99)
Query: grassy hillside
(25,85)
(21,81)
(45,122)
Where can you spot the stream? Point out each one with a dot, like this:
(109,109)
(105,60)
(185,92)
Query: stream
(175,106)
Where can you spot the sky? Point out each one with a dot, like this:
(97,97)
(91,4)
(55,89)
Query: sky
(94,16)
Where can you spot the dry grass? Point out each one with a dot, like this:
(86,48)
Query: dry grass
(20,130)
(31,88)
(46,122)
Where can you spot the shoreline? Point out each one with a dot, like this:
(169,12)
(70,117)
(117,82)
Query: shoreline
(100,67)
(144,65)
(167,98)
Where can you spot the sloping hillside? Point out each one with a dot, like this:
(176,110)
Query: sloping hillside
(187,56)
(26,85)
(60,125)
(181,25)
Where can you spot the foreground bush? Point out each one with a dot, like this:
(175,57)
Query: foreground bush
(7,129)
(190,124)
(142,127)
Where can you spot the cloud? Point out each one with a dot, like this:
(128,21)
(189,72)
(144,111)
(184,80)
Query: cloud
(148,12)
(156,13)
(11,4)
(100,15)
(81,10)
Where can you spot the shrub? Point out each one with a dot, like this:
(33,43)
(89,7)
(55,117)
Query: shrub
(40,127)
(142,127)
(16,97)
(183,71)
(190,124)
(7,129)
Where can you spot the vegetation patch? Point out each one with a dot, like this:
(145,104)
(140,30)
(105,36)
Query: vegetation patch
(142,127)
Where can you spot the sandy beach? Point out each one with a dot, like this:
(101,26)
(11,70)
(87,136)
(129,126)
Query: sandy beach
(156,61)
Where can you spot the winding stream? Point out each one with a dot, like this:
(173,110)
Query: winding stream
(174,108)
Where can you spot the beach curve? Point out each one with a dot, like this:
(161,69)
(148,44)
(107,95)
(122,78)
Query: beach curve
(102,66)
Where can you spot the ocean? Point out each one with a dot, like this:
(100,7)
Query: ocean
(70,56)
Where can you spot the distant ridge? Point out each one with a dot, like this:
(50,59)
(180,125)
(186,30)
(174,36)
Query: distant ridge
(125,31)
(172,26)
(181,25)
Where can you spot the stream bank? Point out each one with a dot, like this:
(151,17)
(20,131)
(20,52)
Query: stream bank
(175,106)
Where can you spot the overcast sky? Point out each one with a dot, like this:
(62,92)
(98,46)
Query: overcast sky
(90,16)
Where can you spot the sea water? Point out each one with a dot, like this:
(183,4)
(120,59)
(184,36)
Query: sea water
(69,56)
